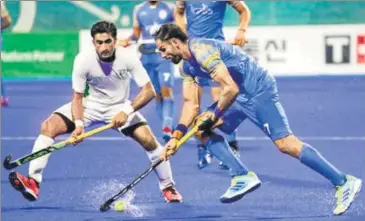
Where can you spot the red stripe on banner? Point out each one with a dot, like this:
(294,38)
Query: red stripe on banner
(360,49)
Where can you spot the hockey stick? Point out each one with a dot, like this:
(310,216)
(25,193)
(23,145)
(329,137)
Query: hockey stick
(141,46)
(23,160)
(143,50)
(106,206)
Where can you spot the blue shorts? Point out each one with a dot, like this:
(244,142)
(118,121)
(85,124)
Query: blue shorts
(161,73)
(264,110)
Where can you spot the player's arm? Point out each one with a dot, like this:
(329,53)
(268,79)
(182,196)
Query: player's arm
(190,107)
(146,94)
(77,108)
(78,86)
(208,56)
(6,19)
(136,33)
(180,15)
(140,76)
(244,19)
(229,88)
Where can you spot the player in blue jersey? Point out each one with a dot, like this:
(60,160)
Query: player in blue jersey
(247,91)
(205,20)
(5,23)
(148,16)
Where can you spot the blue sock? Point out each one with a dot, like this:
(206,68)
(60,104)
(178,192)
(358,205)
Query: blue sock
(221,150)
(231,137)
(159,105)
(313,159)
(2,88)
(167,112)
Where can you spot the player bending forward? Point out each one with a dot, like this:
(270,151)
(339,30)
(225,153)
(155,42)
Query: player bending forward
(247,91)
(107,71)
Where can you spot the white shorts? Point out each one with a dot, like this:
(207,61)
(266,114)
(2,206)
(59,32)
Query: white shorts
(98,113)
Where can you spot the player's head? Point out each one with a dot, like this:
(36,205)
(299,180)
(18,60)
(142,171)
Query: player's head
(170,41)
(104,36)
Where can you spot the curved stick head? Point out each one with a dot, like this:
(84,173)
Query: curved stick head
(105,207)
(7,164)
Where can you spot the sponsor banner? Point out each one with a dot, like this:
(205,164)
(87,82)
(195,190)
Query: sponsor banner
(36,55)
(307,50)
(297,50)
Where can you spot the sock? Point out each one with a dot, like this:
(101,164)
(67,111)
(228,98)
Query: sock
(159,105)
(2,88)
(221,150)
(163,171)
(167,112)
(36,166)
(313,159)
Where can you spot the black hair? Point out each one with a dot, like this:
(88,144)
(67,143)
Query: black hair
(168,31)
(104,27)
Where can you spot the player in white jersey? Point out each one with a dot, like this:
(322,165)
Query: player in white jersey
(108,71)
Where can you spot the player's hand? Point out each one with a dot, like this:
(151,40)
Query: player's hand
(170,148)
(125,42)
(120,119)
(207,121)
(75,136)
(240,39)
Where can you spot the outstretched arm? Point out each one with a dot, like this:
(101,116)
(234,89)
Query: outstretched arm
(180,15)
(146,94)
(136,33)
(77,108)
(190,110)
(244,19)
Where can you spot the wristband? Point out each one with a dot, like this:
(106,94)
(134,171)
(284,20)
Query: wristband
(128,109)
(180,131)
(79,123)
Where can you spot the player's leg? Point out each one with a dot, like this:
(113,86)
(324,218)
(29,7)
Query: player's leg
(230,137)
(243,180)
(4,99)
(58,123)
(137,128)
(271,118)
(166,71)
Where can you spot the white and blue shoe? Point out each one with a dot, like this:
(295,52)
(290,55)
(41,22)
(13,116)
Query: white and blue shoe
(240,185)
(346,193)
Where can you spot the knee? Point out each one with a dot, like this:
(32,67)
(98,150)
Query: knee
(149,143)
(53,126)
(48,129)
(290,145)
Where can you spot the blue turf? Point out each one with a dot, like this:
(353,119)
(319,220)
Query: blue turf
(78,179)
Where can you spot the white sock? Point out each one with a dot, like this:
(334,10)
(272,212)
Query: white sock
(163,171)
(36,166)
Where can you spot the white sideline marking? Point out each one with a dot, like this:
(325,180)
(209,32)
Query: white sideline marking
(318,138)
